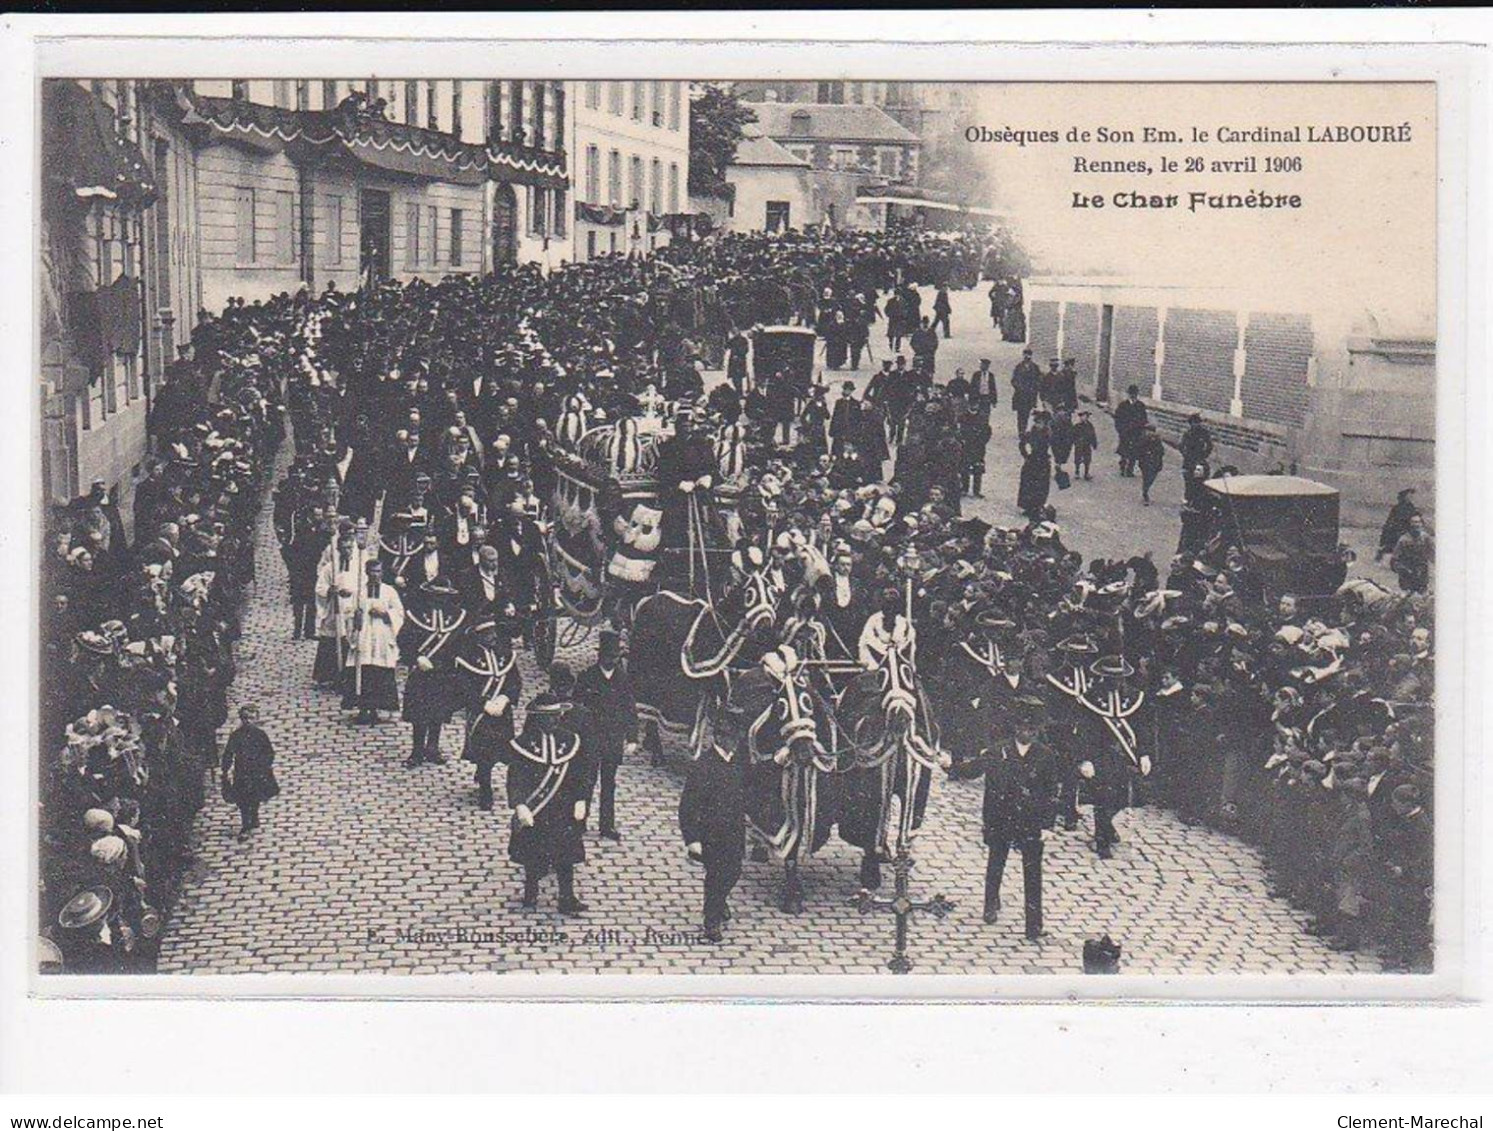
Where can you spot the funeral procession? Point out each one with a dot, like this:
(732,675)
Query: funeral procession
(613,527)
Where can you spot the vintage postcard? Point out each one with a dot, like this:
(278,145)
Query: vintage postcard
(702,524)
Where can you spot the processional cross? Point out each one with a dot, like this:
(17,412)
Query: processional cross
(902,906)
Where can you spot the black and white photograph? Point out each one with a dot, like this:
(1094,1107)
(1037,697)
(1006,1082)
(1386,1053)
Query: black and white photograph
(695,527)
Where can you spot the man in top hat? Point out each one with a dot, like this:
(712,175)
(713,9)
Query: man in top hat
(844,420)
(606,691)
(712,814)
(1026,386)
(433,618)
(1021,785)
(686,474)
(373,650)
(549,782)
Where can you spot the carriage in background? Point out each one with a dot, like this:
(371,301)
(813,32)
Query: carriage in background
(784,349)
(1286,527)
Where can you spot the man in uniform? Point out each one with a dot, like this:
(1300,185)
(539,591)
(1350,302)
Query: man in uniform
(712,816)
(606,691)
(434,618)
(548,784)
(1021,785)
(489,683)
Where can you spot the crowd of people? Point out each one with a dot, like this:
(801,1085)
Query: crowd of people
(429,421)
(137,648)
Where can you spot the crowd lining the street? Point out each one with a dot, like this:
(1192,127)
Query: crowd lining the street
(429,421)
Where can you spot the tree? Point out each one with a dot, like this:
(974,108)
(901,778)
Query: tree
(716,119)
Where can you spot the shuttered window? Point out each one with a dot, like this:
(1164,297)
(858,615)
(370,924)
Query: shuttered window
(244,226)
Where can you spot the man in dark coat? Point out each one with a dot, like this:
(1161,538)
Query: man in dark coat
(548,783)
(607,693)
(1130,420)
(1396,523)
(845,420)
(712,816)
(1026,386)
(1021,786)
(489,685)
(974,437)
(1085,441)
(1150,454)
(686,473)
(433,619)
(941,310)
(249,770)
(737,351)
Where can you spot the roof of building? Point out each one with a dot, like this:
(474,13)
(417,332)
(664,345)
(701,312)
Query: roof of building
(756,150)
(829,121)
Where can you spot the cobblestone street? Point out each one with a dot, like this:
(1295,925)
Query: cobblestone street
(365,866)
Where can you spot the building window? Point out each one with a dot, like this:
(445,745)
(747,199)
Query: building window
(591,244)
(411,237)
(285,240)
(614,98)
(538,210)
(334,231)
(432,233)
(673,186)
(658,105)
(539,136)
(457,218)
(562,206)
(614,179)
(635,183)
(559,141)
(302,95)
(492,104)
(282,94)
(842,157)
(639,94)
(456,108)
(411,103)
(593,96)
(593,174)
(432,111)
(887,164)
(802,152)
(612,242)
(516,112)
(675,97)
(329,94)
(240,90)
(831,92)
(798,123)
(777,215)
(656,187)
(244,226)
